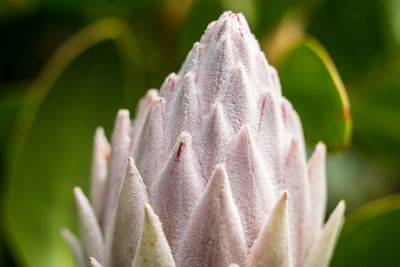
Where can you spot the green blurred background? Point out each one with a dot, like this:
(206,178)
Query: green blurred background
(67,66)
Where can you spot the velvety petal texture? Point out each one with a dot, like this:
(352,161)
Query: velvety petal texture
(216,223)
(92,239)
(211,172)
(272,247)
(153,249)
(124,235)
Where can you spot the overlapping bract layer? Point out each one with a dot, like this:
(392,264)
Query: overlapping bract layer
(217,156)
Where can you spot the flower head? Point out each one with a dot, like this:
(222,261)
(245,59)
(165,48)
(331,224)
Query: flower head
(211,172)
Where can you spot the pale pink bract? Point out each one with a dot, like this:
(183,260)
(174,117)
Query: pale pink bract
(212,171)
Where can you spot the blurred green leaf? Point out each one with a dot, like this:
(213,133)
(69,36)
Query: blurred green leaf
(378,129)
(11,100)
(311,82)
(270,13)
(371,236)
(376,111)
(12,9)
(82,86)
(356,33)
(96,8)
(392,7)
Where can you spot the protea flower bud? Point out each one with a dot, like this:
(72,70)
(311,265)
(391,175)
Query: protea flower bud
(212,172)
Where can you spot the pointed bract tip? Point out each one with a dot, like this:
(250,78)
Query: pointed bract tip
(122,114)
(285,195)
(132,169)
(131,165)
(77,191)
(218,178)
(220,170)
(343,203)
(99,131)
(64,232)
(321,146)
(122,125)
(245,130)
(148,210)
(152,94)
(69,237)
(184,137)
(94,263)
(216,107)
(245,133)
(320,143)
(79,195)
(216,114)
(150,216)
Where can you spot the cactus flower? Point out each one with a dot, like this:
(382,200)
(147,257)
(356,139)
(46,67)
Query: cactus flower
(211,172)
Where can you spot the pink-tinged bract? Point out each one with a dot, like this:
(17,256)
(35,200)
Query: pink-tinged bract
(211,172)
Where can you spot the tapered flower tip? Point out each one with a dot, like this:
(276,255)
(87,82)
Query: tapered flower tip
(318,156)
(101,144)
(126,229)
(177,189)
(216,223)
(78,193)
(122,117)
(94,263)
(75,246)
(141,114)
(319,153)
(321,146)
(122,129)
(101,154)
(228,23)
(317,185)
(92,239)
(322,249)
(153,247)
(120,141)
(272,247)
(149,152)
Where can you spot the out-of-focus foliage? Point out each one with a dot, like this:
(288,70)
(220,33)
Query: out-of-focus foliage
(58,82)
(39,204)
(66,112)
(321,101)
